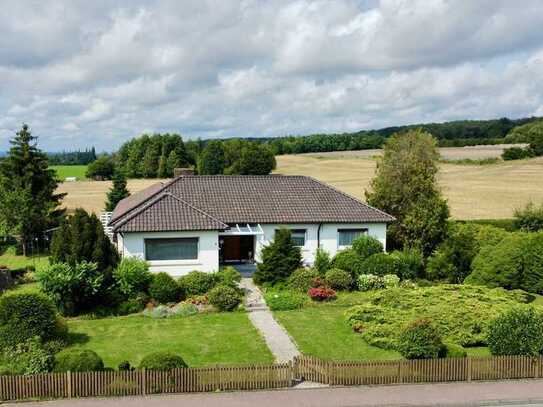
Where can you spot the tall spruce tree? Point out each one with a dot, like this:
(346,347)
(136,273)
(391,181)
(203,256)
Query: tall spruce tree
(405,186)
(212,160)
(29,204)
(117,192)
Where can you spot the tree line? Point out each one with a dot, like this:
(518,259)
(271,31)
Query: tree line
(77,157)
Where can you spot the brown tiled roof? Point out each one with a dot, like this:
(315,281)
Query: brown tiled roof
(135,200)
(166,212)
(263,199)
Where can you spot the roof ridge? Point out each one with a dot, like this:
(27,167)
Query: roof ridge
(392,218)
(195,208)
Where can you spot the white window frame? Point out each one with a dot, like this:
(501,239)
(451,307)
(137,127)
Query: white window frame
(291,232)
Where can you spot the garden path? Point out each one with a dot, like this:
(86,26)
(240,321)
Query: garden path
(277,339)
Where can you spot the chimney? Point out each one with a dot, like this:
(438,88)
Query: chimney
(182,172)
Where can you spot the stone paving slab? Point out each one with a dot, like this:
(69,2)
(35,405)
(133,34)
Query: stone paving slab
(277,339)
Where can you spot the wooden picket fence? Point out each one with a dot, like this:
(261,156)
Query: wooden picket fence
(259,377)
(345,373)
(130,383)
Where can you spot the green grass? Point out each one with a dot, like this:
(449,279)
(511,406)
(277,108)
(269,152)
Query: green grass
(11,260)
(323,332)
(204,339)
(64,171)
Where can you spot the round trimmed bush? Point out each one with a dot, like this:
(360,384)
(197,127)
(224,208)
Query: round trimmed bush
(420,340)
(452,350)
(349,261)
(229,275)
(162,361)
(339,279)
(74,360)
(164,289)
(366,246)
(224,297)
(302,279)
(24,316)
(284,300)
(380,264)
(518,331)
(198,282)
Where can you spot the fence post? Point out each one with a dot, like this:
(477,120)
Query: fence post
(328,370)
(143,382)
(469,369)
(537,364)
(400,371)
(69,384)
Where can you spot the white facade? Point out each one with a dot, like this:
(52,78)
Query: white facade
(324,236)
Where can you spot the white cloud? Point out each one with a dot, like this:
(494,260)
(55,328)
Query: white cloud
(105,71)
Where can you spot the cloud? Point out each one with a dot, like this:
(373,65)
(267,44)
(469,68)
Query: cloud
(98,73)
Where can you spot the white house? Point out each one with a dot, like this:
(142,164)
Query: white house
(201,222)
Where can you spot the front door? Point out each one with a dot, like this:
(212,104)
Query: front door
(236,249)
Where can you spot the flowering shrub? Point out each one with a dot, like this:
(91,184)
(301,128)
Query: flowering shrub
(198,300)
(391,280)
(367,282)
(321,293)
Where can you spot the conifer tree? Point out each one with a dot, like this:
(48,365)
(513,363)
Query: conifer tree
(279,259)
(29,204)
(117,192)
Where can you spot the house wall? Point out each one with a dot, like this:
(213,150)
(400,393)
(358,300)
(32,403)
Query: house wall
(328,237)
(132,244)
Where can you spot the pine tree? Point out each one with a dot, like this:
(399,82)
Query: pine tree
(29,204)
(279,259)
(117,192)
(172,163)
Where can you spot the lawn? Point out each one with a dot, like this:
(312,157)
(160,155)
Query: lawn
(13,261)
(204,339)
(322,331)
(64,171)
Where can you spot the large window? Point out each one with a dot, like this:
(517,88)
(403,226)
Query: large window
(346,237)
(297,237)
(171,249)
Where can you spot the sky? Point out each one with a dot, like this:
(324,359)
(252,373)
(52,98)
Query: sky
(97,73)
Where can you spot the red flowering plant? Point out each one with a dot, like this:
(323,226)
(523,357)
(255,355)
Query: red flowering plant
(321,293)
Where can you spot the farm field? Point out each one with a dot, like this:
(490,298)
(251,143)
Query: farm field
(474,191)
(64,171)
(204,339)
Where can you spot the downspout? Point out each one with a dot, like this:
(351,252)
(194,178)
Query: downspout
(319,236)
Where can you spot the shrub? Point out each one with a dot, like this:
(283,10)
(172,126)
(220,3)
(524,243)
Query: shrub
(162,361)
(339,279)
(72,289)
(367,282)
(391,280)
(184,310)
(224,297)
(284,300)
(518,331)
(515,262)
(530,218)
(125,366)
(322,261)
(164,289)
(452,350)
(29,357)
(133,305)
(197,282)
(179,310)
(349,261)
(279,259)
(229,275)
(321,293)
(420,340)
(77,360)
(24,316)
(302,279)
(366,246)
(132,276)
(517,153)
(380,264)
(410,263)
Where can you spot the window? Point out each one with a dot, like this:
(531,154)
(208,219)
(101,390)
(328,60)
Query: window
(347,236)
(171,249)
(297,237)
